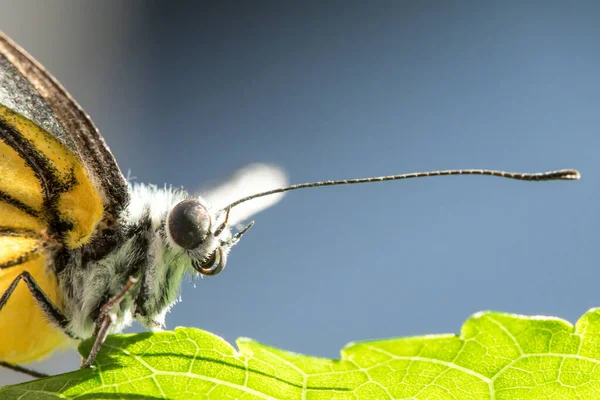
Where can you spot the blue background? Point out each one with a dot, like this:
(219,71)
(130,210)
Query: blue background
(186,94)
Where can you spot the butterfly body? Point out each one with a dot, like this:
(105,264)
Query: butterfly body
(73,232)
(80,280)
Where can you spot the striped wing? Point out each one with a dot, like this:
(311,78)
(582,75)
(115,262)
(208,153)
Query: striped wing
(48,205)
(27,88)
(59,186)
(44,188)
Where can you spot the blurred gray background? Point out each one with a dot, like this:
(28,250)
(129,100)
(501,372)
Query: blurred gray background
(187,92)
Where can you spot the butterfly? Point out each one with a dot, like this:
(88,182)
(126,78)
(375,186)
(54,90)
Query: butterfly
(83,252)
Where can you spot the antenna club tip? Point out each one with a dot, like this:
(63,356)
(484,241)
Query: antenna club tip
(571,174)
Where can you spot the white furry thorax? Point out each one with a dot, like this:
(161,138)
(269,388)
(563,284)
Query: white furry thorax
(146,242)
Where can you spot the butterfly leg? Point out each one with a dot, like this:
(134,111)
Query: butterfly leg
(51,311)
(105,320)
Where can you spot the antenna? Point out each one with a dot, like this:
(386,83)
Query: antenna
(563,174)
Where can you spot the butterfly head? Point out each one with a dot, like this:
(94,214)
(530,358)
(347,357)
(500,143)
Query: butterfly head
(205,238)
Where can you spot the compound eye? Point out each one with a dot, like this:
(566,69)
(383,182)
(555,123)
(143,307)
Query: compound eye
(213,265)
(189,224)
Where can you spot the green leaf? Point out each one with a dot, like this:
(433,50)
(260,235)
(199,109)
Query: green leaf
(497,356)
